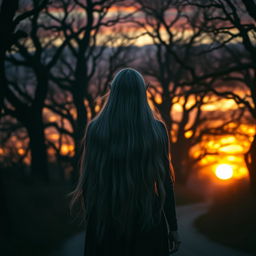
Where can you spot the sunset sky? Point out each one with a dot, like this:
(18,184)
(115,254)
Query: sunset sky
(224,151)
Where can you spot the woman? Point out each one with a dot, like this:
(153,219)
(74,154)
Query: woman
(126,177)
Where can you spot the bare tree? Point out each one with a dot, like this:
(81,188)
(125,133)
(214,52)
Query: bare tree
(9,20)
(231,27)
(10,34)
(166,23)
(85,51)
(30,64)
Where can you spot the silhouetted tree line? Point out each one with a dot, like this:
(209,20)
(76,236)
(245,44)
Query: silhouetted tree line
(54,58)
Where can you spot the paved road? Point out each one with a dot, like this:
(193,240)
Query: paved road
(193,242)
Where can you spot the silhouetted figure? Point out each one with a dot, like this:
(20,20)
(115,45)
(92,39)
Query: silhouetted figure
(125,187)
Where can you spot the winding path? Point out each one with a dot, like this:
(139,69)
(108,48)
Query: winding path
(193,242)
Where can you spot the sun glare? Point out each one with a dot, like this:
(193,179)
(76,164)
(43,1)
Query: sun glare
(224,171)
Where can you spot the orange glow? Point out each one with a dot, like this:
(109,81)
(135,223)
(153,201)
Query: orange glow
(188,134)
(71,147)
(64,149)
(196,154)
(181,30)
(1,151)
(21,151)
(223,104)
(224,158)
(224,171)
(232,149)
(123,9)
(177,107)
(241,172)
(52,118)
(97,108)
(217,104)
(228,139)
(158,99)
(67,149)
(51,151)
(54,136)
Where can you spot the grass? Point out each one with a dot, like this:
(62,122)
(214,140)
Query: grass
(231,220)
(39,217)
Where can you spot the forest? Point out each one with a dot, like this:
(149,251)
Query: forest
(57,58)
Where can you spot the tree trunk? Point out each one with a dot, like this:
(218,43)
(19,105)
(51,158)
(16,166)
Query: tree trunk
(39,160)
(176,158)
(7,12)
(250,160)
(180,160)
(79,130)
(164,109)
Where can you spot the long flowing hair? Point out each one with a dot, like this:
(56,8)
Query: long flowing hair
(124,153)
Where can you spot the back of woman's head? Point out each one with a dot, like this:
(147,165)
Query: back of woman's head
(125,153)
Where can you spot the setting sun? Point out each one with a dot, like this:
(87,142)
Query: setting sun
(224,171)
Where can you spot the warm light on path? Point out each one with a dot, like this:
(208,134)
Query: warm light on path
(224,171)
